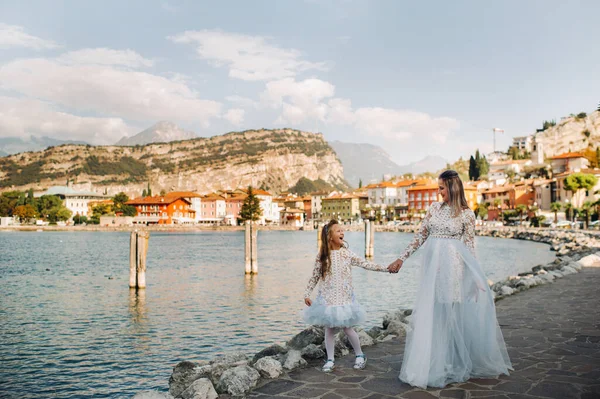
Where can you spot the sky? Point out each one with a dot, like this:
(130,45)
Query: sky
(416,78)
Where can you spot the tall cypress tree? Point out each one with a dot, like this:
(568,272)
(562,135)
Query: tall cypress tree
(473,175)
(251,209)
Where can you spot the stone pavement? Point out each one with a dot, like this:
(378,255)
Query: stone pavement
(553,337)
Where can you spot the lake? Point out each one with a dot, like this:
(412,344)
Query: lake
(70,327)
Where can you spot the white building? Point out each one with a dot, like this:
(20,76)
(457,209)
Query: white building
(523,143)
(73,200)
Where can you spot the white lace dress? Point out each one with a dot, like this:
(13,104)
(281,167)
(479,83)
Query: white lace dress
(454,334)
(336,304)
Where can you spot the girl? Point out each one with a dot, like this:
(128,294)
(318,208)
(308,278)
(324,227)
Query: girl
(455,335)
(335,305)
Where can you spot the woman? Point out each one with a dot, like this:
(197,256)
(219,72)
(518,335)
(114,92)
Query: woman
(455,335)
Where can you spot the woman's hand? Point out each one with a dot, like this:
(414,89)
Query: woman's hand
(307,301)
(395,266)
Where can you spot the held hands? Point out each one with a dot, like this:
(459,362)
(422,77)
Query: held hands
(395,266)
(307,301)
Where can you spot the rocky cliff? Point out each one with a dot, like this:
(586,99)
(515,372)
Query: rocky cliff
(272,159)
(571,134)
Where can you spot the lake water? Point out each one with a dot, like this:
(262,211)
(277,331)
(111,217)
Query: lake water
(70,327)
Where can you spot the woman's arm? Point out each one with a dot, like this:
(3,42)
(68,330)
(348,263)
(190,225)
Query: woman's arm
(468,237)
(420,236)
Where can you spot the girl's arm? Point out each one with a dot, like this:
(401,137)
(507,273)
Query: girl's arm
(365,264)
(420,236)
(468,237)
(314,279)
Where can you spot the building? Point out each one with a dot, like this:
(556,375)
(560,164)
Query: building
(291,217)
(523,143)
(569,162)
(270,209)
(163,210)
(562,195)
(316,204)
(544,193)
(74,200)
(213,209)
(233,206)
(194,198)
(421,197)
(345,207)
(472,196)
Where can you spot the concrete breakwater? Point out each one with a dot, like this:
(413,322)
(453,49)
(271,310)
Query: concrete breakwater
(236,374)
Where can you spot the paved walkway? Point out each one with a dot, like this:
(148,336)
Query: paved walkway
(553,337)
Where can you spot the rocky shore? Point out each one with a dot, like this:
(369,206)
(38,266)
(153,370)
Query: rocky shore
(234,375)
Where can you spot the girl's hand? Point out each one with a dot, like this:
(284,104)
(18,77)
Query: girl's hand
(307,301)
(395,266)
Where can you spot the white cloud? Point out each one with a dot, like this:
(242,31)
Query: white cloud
(107,91)
(14,36)
(235,116)
(25,117)
(250,58)
(106,56)
(242,101)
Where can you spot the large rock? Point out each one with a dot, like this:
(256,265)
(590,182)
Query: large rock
(294,360)
(313,351)
(268,367)
(202,388)
(273,350)
(312,335)
(506,290)
(589,260)
(184,374)
(364,339)
(238,380)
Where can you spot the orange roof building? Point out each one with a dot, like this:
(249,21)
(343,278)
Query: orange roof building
(163,210)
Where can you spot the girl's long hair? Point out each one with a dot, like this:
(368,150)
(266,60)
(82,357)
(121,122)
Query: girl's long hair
(325,251)
(456,191)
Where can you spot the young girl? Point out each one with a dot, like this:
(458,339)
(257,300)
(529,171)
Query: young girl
(335,305)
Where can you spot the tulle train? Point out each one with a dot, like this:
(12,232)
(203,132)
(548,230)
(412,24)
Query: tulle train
(455,334)
(321,314)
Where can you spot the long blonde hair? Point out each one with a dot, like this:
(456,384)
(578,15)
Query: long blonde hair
(456,191)
(325,251)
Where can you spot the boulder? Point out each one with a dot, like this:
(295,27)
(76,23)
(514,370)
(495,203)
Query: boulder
(589,260)
(268,367)
(152,395)
(273,350)
(202,388)
(506,290)
(294,360)
(184,374)
(312,335)
(238,381)
(313,351)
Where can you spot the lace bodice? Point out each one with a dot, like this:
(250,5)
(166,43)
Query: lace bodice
(336,288)
(439,222)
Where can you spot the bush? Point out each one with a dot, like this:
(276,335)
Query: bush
(581,115)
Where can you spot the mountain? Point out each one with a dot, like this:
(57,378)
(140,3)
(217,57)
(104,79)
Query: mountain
(161,132)
(369,163)
(14,145)
(270,159)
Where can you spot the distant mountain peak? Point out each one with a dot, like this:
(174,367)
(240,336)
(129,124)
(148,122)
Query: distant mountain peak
(160,132)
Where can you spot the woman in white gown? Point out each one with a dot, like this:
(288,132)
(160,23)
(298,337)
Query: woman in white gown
(455,334)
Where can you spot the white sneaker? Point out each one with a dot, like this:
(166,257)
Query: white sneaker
(360,362)
(328,366)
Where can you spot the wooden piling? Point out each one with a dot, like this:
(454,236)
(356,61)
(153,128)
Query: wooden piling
(254,256)
(369,238)
(138,252)
(319,232)
(248,247)
(372,240)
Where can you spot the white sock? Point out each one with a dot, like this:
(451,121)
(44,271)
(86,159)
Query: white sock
(330,343)
(354,341)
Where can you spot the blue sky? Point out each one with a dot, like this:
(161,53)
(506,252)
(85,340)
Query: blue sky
(416,78)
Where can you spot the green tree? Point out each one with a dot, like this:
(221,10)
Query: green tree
(360,182)
(251,209)
(482,211)
(30,200)
(149,190)
(473,172)
(47,202)
(144,193)
(483,166)
(163,193)
(25,212)
(119,200)
(99,210)
(79,219)
(9,200)
(568,211)
(586,207)
(129,210)
(59,214)
(548,124)
(578,184)
(555,207)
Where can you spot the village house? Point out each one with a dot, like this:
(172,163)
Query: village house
(233,205)
(162,210)
(213,209)
(421,197)
(74,200)
(569,162)
(562,195)
(345,207)
(193,198)
(316,204)
(291,217)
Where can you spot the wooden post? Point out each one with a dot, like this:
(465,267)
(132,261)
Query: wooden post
(367,236)
(372,240)
(138,252)
(248,247)
(254,257)
(133,259)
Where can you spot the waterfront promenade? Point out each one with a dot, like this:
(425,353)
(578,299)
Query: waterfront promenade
(553,337)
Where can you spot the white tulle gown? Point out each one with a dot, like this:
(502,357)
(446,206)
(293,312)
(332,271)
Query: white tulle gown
(455,334)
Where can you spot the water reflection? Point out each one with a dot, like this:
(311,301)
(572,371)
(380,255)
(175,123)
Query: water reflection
(137,306)
(250,286)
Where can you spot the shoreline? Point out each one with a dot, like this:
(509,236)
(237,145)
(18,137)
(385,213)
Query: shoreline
(235,375)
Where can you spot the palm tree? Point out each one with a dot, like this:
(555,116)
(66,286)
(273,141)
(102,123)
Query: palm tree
(555,207)
(520,210)
(587,205)
(568,210)
(497,204)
